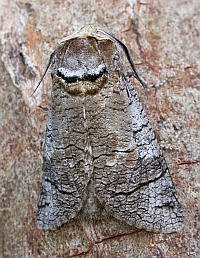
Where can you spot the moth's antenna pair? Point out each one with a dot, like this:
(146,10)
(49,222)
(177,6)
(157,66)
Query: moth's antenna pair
(124,48)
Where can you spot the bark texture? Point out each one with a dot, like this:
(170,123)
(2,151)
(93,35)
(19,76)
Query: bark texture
(163,39)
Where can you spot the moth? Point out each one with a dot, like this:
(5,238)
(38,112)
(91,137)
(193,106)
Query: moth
(100,153)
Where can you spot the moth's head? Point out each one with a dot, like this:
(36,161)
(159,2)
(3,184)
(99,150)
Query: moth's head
(87,31)
(82,62)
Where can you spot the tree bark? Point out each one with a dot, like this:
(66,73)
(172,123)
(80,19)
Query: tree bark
(163,39)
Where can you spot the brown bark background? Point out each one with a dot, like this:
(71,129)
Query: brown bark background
(163,39)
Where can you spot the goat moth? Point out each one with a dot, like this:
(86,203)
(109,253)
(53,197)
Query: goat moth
(100,152)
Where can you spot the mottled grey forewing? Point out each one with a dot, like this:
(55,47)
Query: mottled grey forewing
(65,175)
(132,178)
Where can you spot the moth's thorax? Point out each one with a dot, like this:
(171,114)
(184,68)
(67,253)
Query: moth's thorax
(81,64)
